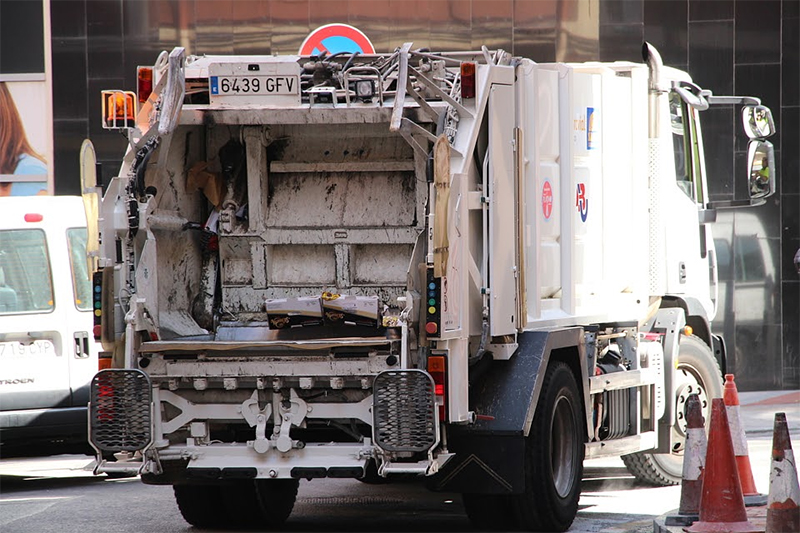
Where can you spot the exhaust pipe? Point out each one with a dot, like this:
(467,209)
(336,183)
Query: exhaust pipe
(653,59)
(655,65)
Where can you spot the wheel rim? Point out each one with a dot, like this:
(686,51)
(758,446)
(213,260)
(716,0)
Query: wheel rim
(562,452)
(689,381)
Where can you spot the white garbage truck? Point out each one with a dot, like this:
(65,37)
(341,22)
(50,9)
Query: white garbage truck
(469,267)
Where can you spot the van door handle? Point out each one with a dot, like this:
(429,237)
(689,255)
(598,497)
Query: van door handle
(81,344)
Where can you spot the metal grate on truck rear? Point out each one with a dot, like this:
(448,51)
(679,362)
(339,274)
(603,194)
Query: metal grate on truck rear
(404,411)
(120,418)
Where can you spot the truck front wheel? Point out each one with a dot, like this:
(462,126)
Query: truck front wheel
(697,372)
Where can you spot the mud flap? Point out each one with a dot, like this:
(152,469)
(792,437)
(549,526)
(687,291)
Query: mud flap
(490,453)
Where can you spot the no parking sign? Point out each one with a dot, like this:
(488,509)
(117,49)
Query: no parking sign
(334,38)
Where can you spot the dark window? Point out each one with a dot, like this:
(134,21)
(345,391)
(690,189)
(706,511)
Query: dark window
(680,144)
(81,284)
(21,37)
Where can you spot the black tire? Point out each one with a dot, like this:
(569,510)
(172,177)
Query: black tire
(697,372)
(490,512)
(276,497)
(201,505)
(243,505)
(553,465)
(555,452)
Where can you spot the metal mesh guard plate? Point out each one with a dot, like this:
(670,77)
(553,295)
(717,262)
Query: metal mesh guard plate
(120,410)
(403,411)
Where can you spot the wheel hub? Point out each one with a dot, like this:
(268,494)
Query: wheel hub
(563,462)
(689,386)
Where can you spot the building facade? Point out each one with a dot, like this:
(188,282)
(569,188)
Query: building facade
(729,46)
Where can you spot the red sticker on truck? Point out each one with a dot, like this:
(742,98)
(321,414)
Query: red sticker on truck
(547,200)
(582,201)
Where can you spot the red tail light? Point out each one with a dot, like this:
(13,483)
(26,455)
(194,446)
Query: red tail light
(105,403)
(33,217)
(437,368)
(467,80)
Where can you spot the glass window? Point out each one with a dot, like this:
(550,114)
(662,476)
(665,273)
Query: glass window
(680,144)
(26,283)
(82,287)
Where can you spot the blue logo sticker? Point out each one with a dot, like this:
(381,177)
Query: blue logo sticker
(591,142)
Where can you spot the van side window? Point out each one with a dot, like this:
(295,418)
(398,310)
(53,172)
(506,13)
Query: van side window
(26,272)
(76,237)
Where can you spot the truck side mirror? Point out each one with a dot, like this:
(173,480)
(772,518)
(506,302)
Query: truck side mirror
(758,123)
(761,165)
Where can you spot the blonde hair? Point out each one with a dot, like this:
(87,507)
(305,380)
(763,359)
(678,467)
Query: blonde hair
(13,140)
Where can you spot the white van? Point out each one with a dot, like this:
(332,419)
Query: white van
(48,354)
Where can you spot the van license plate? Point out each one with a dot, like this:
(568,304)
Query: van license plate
(33,349)
(254,85)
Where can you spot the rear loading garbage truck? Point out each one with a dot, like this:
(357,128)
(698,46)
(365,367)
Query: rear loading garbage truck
(468,267)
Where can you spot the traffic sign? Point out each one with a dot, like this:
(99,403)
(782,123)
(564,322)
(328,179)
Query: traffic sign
(334,38)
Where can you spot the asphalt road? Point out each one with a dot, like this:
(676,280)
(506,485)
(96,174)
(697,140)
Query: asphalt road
(59,494)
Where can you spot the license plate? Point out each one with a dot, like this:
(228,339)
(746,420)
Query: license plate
(33,349)
(255,85)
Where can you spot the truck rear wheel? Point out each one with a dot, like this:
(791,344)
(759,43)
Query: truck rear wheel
(201,505)
(697,373)
(554,465)
(243,504)
(277,497)
(490,512)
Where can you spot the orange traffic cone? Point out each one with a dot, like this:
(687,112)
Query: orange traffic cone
(783,511)
(694,460)
(731,397)
(721,504)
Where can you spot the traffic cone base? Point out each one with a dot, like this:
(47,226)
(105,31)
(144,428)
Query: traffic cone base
(783,520)
(756,500)
(723,527)
(681,519)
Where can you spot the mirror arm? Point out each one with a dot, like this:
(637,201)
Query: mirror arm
(732,204)
(729,100)
(707,215)
(692,94)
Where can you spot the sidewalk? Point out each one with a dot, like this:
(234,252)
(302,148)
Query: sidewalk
(757,411)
